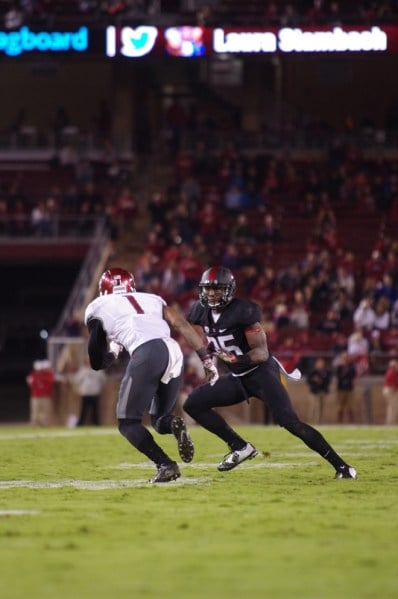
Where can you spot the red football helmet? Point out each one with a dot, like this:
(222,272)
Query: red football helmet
(116,280)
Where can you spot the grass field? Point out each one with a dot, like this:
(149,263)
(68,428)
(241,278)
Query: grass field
(78,519)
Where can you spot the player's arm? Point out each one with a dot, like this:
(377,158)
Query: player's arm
(257,340)
(98,352)
(179,323)
(258,353)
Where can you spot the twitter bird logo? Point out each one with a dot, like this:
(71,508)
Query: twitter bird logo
(137,42)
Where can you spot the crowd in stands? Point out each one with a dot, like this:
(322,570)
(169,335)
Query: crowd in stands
(61,201)
(314,243)
(277,13)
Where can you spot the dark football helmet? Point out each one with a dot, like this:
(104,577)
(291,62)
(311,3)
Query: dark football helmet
(221,278)
(116,280)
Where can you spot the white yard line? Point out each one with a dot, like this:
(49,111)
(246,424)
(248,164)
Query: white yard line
(39,434)
(19,512)
(96,485)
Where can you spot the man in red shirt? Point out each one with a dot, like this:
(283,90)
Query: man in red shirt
(390,392)
(41,382)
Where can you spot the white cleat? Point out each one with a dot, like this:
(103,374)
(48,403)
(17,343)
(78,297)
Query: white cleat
(233,459)
(346,472)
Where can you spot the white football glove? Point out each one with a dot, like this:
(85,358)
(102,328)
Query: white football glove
(211,371)
(115,348)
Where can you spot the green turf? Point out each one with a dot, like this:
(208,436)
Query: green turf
(277,527)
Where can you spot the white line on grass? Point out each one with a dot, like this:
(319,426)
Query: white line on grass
(96,485)
(19,512)
(39,434)
(206,466)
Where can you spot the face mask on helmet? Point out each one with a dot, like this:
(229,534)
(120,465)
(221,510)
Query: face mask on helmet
(116,280)
(222,284)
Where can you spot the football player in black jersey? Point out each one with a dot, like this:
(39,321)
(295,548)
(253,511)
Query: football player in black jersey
(235,335)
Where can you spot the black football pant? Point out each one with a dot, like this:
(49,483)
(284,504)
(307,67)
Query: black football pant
(265,384)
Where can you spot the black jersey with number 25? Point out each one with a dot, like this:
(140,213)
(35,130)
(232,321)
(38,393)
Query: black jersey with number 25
(228,332)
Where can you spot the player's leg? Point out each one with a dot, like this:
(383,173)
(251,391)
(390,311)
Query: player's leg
(227,391)
(138,387)
(284,414)
(165,422)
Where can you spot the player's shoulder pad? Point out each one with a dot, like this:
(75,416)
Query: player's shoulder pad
(195,312)
(93,308)
(250,311)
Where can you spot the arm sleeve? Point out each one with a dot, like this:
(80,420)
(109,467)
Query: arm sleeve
(98,352)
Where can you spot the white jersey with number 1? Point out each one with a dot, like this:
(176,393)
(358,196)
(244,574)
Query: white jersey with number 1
(131,319)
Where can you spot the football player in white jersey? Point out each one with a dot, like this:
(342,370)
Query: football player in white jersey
(122,318)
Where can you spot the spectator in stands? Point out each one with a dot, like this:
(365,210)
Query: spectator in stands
(299,313)
(382,314)
(322,291)
(281,314)
(269,231)
(375,265)
(340,343)
(14,17)
(208,221)
(146,268)
(394,314)
(364,315)
(343,305)
(205,16)
(191,189)
(263,292)
(377,349)
(157,207)
(290,278)
(235,198)
(330,323)
(390,392)
(241,231)
(357,343)
(387,289)
(346,376)
(181,219)
(41,222)
(172,279)
(126,209)
(318,381)
(231,257)
(41,381)
(73,326)
(358,350)
(189,265)
(84,172)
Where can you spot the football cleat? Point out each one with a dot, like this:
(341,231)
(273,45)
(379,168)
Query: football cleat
(166,473)
(233,459)
(185,445)
(346,472)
